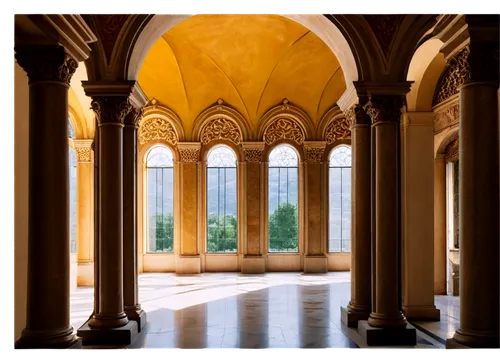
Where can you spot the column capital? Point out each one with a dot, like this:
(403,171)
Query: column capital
(253,151)
(384,108)
(356,114)
(111,110)
(46,63)
(133,118)
(189,151)
(314,151)
(83,148)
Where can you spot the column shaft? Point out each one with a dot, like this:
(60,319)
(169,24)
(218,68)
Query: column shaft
(110,112)
(47,321)
(479,214)
(385,112)
(360,303)
(130,284)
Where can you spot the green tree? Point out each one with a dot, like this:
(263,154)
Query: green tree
(164,225)
(222,233)
(283,228)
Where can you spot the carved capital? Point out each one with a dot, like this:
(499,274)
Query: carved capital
(314,151)
(111,110)
(339,128)
(384,108)
(253,155)
(221,128)
(157,129)
(83,149)
(133,118)
(46,63)
(189,152)
(283,128)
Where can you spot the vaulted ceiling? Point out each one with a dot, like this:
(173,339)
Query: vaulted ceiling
(252,62)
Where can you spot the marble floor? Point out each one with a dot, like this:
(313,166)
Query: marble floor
(231,310)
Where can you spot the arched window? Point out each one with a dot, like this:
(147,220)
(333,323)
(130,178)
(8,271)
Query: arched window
(340,200)
(160,175)
(221,200)
(72,191)
(283,227)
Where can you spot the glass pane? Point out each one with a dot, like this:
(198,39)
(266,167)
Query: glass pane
(283,200)
(160,188)
(221,201)
(160,156)
(283,156)
(341,156)
(71,131)
(220,157)
(335,208)
(346,209)
(72,200)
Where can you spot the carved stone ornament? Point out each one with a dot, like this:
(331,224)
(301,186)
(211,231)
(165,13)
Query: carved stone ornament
(189,155)
(451,152)
(46,63)
(384,27)
(283,128)
(157,129)
(221,128)
(134,117)
(110,109)
(109,27)
(314,155)
(384,108)
(457,73)
(446,118)
(253,155)
(337,129)
(83,154)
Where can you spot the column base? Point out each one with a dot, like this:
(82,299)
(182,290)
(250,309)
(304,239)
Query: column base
(137,315)
(473,340)
(188,264)
(351,318)
(422,313)
(60,339)
(121,336)
(253,264)
(373,336)
(315,264)
(85,274)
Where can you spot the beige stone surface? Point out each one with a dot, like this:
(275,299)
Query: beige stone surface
(187,264)
(159,262)
(339,261)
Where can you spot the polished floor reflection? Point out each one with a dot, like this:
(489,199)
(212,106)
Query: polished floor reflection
(231,310)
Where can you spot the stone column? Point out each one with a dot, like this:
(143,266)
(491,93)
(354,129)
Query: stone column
(418,216)
(85,212)
(110,113)
(188,260)
(315,260)
(359,306)
(49,70)
(253,261)
(440,225)
(130,271)
(386,324)
(479,190)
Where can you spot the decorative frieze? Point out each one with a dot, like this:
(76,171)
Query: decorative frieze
(283,128)
(446,118)
(221,128)
(157,129)
(338,128)
(457,73)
